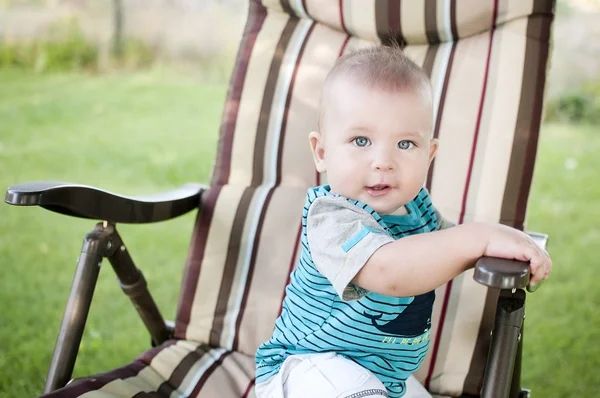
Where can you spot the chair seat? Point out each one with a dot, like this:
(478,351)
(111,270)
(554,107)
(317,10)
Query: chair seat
(177,368)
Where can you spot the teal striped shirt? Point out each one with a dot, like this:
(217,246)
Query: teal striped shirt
(387,335)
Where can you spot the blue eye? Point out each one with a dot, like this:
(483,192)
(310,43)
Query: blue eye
(361,141)
(406,144)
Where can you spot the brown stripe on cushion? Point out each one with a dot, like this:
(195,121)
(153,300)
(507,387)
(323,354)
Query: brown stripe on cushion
(544,7)
(149,355)
(242,153)
(270,259)
(381,21)
(474,378)
(457,127)
(255,243)
(248,389)
(96,382)
(258,233)
(487,185)
(285,4)
(453,26)
(265,110)
(479,116)
(440,111)
(177,377)
(510,60)
(209,372)
(184,366)
(431,28)
(442,100)
(524,149)
(194,262)
(230,263)
(256,17)
(278,246)
(322,49)
(394,24)
(439,333)
(429,59)
(387,22)
(151,394)
(80,387)
(231,378)
(288,100)
(342,22)
(528,89)
(261,205)
(257,175)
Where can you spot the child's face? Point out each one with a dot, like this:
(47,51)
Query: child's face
(374,144)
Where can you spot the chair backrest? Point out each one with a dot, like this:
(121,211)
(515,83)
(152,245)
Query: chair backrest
(487,62)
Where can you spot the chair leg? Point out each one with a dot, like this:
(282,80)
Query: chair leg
(504,348)
(102,241)
(78,306)
(134,285)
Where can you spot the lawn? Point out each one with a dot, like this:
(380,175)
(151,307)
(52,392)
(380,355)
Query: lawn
(152,131)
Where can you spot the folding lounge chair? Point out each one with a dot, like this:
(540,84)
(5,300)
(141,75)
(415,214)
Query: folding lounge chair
(487,62)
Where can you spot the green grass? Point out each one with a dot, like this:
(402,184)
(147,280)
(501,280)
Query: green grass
(562,354)
(134,133)
(150,131)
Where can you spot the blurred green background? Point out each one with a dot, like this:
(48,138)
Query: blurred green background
(72,108)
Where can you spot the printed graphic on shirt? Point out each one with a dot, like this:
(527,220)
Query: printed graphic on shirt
(412,321)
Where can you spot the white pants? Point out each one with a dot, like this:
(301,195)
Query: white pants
(328,375)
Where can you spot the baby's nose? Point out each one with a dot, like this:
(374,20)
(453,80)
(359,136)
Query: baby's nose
(384,166)
(383,162)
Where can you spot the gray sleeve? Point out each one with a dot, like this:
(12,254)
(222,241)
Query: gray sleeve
(442,223)
(341,238)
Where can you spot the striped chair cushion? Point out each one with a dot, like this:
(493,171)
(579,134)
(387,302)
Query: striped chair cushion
(488,89)
(175,369)
(414,22)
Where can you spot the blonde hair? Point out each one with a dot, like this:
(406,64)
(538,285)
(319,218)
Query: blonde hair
(381,67)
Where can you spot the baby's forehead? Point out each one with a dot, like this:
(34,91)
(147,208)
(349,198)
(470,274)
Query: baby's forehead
(336,91)
(341,85)
(353,105)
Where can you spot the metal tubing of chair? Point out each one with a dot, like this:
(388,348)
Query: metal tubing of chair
(515,385)
(78,306)
(134,285)
(504,345)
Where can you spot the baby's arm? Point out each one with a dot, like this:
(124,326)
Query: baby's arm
(420,263)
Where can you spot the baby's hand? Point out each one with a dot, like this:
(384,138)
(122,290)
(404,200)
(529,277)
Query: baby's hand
(510,243)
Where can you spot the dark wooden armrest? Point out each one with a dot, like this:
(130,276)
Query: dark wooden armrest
(85,201)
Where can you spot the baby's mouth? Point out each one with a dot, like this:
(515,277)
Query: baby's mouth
(378,189)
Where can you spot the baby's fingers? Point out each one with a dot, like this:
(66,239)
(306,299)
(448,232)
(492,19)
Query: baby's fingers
(540,267)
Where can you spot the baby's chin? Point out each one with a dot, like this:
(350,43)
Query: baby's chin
(383,208)
(382,211)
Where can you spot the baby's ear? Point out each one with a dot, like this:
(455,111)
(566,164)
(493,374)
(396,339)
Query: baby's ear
(318,150)
(434,144)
